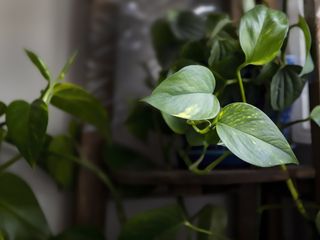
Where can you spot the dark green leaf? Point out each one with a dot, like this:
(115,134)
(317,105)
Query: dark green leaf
(61,169)
(3,108)
(252,136)
(27,126)
(315,115)
(153,224)
(79,103)
(196,139)
(216,22)
(37,61)
(317,221)
(165,44)
(214,219)
(186,25)
(286,87)
(80,233)
(220,49)
(20,214)
(262,32)
(67,66)
(177,125)
(187,94)
(308,66)
(196,51)
(266,74)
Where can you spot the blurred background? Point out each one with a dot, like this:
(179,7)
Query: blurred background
(115,59)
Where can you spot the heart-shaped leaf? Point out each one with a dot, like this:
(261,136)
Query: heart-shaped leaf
(20,214)
(153,224)
(252,136)
(286,87)
(308,66)
(38,62)
(177,125)
(262,32)
(61,169)
(187,94)
(315,115)
(27,126)
(79,103)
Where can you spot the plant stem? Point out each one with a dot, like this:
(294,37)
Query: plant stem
(243,94)
(295,122)
(196,229)
(295,195)
(10,162)
(104,179)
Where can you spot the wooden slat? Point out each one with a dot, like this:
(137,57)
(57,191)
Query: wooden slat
(312,10)
(217,177)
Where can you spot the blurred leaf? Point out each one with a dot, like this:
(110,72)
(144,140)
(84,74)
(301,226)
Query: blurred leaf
(153,224)
(196,51)
(75,129)
(80,233)
(267,72)
(221,48)
(308,66)
(61,169)
(79,103)
(165,44)
(27,126)
(41,66)
(262,31)
(67,66)
(216,22)
(187,94)
(196,139)
(177,125)
(317,221)
(120,157)
(286,87)
(3,108)
(241,126)
(20,214)
(315,115)
(186,25)
(215,219)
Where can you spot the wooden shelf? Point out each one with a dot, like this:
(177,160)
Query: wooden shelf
(216,177)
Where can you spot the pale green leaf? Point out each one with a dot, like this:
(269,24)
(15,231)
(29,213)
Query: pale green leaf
(262,32)
(177,125)
(315,115)
(38,62)
(187,94)
(67,66)
(252,136)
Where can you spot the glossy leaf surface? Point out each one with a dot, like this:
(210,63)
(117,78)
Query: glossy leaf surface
(262,32)
(252,136)
(315,115)
(286,87)
(38,62)
(79,103)
(187,94)
(27,126)
(153,224)
(60,168)
(20,214)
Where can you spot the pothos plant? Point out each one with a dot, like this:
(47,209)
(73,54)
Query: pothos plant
(203,56)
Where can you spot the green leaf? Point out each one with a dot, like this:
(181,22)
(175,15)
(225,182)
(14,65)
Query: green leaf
(252,136)
(177,125)
(266,74)
(61,169)
(315,115)
(214,219)
(262,32)
(80,233)
(67,66)
(186,25)
(187,94)
(308,66)
(27,126)
(286,87)
(37,61)
(196,139)
(153,224)
(20,213)
(3,108)
(217,22)
(79,103)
